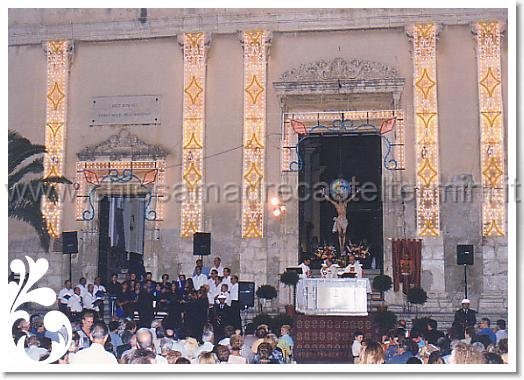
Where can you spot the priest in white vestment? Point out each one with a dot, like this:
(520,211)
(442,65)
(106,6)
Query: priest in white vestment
(354,267)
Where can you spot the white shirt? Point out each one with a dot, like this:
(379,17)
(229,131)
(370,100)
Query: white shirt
(233,359)
(99,288)
(227,281)
(95,354)
(220,270)
(330,272)
(159,359)
(213,291)
(305,270)
(83,289)
(224,342)
(89,300)
(75,303)
(35,352)
(65,292)
(199,280)
(355,348)
(501,334)
(233,292)
(206,347)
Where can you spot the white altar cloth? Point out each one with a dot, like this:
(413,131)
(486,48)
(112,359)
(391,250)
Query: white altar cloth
(333,296)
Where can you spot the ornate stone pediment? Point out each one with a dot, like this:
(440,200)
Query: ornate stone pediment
(339,77)
(123,145)
(339,68)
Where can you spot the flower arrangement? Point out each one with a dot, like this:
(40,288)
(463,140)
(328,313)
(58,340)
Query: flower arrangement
(326,252)
(360,251)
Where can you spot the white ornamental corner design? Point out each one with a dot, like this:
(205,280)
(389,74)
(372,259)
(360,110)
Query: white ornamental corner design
(21,293)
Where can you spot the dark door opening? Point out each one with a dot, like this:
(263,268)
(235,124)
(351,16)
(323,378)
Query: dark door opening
(121,234)
(356,157)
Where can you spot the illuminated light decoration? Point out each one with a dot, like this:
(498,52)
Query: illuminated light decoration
(491,128)
(278,209)
(55,127)
(108,175)
(297,125)
(426,129)
(193,132)
(253,193)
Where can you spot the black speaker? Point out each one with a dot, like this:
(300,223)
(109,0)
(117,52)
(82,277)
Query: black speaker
(69,242)
(464,254)
(201,244)
(246,294)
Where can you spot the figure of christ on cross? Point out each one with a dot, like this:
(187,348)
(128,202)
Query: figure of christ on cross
(341,222)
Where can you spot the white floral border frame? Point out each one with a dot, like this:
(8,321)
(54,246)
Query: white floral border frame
(21,293)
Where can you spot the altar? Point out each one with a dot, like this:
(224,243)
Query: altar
(333,296)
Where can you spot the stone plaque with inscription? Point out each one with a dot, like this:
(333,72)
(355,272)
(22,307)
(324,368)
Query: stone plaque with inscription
(125,110)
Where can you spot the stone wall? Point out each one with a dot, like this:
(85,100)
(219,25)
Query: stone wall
(124,65)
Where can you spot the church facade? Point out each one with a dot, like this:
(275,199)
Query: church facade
(200,114)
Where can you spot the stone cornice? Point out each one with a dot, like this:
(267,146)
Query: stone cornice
(342,86)
(276,20)
(120,146)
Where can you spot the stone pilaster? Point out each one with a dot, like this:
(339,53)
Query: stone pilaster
(433,274)
(494,296)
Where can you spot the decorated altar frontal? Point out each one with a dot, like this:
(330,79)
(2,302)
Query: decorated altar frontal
(333,296)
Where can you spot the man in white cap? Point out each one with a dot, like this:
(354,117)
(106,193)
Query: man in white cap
(220,317)
(464,317)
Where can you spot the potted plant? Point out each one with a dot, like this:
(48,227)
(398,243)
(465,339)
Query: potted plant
(385,320)
(417,296)
(290,279)
(382,283)
(264,293)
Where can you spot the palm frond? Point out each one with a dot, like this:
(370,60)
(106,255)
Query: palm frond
(32,214)
(36,166)
(20,149)
(31,192)
(25,197)
(60,179)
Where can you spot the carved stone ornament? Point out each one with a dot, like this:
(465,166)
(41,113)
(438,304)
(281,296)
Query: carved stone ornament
(339,68)
(124,145)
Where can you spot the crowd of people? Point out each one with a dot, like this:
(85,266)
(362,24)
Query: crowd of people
(201,324)
(210,294)
(123,341)
(427,345)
